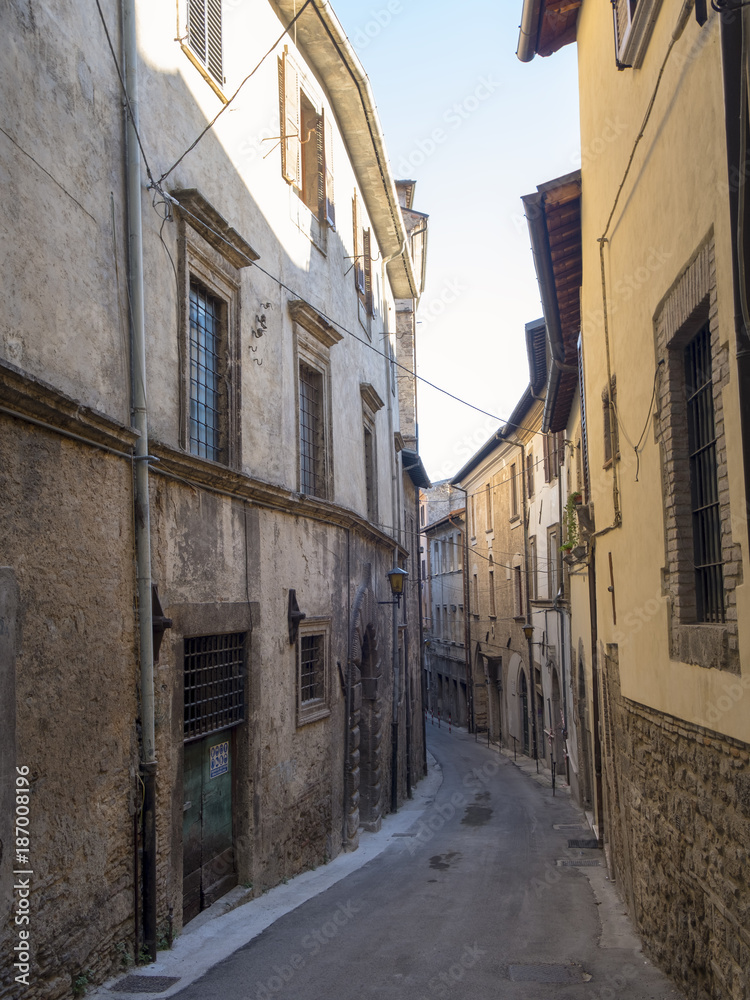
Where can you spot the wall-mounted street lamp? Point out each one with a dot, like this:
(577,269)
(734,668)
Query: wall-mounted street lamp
(528,630)
(396,578)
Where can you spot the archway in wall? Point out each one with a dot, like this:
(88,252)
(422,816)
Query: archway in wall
(523,708)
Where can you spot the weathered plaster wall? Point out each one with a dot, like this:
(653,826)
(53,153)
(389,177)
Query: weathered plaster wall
(74,702)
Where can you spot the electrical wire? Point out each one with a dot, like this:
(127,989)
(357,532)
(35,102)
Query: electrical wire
(124,90)
(213,121)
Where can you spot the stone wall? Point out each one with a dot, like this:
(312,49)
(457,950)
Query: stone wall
(678,831)
(66,539)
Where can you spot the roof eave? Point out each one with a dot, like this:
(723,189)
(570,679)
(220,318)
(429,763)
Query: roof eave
(328,50)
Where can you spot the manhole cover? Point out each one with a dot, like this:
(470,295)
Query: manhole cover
(582,863)
(587,844)
(144,984)
(545,974)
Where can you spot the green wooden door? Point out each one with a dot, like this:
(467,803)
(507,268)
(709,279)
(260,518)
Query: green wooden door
(208,856)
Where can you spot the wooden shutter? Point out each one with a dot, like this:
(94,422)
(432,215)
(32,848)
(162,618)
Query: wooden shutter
(367,262)
(359,271)
(623,14)
(329,211)
(320,165)
(291,165)
(197,27)
(545,450)
(214,60)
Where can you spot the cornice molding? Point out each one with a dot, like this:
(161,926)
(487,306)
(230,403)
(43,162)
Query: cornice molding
(311,320)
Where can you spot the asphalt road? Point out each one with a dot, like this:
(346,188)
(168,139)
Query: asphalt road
(471,902)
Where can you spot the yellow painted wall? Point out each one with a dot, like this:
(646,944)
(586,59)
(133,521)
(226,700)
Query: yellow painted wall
(675,195)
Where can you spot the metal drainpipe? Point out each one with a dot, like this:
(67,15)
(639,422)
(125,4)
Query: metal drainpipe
(394,718)
(470,724)
(527,594)
(142,513)
(422,685)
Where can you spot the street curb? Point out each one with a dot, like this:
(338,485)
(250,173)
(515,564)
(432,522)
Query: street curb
(234,921)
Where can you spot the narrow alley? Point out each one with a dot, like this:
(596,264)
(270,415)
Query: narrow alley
(488,893)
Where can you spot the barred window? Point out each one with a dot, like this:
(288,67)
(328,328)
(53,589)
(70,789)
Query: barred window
(214,673)
(207,350)
(312,671)
(311,432)
(704,486)
(311,668)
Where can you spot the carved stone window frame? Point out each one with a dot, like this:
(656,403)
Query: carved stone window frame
(211,253)
(314,337)
(690,304)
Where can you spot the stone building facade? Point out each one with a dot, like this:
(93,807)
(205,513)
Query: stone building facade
(661,284)
(281,484)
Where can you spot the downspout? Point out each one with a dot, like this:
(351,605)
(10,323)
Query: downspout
(347,698)
(142,512)
(735,55)
(467,617)
(394,714)
(561,619)
(598,794)
(527,594)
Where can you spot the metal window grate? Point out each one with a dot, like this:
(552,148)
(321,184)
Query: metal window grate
(312,668)
(311,432)
(205,373)
(214,683)
(704,487)
(370,476)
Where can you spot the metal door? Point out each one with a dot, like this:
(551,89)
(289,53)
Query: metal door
(208,856)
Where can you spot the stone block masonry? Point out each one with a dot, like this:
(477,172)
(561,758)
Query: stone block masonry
(679,839)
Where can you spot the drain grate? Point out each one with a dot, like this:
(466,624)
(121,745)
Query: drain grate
(588,844)
(545,974)
(582,863)
(144,984)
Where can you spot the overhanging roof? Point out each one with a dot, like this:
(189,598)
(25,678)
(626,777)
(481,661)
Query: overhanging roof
(327,49)
(412,464)
(501,434)
(553,213)
(546,26)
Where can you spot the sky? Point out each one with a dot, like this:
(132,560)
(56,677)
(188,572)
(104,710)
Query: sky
(476,129)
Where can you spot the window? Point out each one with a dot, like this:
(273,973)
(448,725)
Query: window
(209,274)
(553,446)
(488,507)
(362,262)
(704,486)
(437,620)
(370,480)
(311,434)
(517,592)
(533,568)
(312,670)
(207,374)
(493,611)
(609,412)
(553,561)
(634,22)
(306,145)
(476,596)
(314,337)
(702,562)
(204,36)
(214,683)
(530,475)
(513,491)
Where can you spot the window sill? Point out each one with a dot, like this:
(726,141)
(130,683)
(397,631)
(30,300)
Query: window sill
(705,645)
(312,714)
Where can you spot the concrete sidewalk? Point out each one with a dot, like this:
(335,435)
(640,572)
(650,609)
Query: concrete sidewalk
(235,919)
